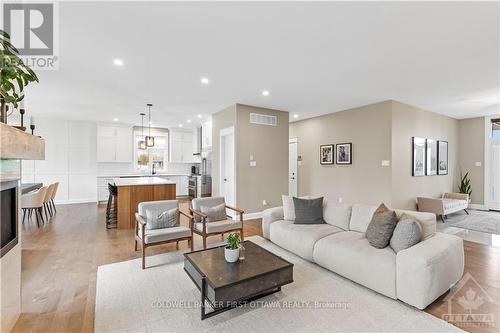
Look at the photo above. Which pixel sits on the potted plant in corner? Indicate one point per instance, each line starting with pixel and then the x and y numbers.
pixel 232 250
pixel 465 186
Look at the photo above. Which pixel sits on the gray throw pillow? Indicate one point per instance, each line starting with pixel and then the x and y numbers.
pixel 381 227
pixel 160 219
pixel 407 233
pixel 308 211
pixel 215 213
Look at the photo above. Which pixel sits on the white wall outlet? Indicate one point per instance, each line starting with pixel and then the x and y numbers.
pixel 386 163
pixel 253 163
pixel 478 164
pixel 264 203
pixel 251 157
pixel 341 199
pixel 299 163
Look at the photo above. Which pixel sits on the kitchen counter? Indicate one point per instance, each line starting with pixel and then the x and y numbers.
pixel 133 191
pixel 137 181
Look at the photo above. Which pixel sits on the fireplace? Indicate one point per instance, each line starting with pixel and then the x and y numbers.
pixel 8 215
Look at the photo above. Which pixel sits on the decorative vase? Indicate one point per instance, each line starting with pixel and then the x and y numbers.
pixel 231 255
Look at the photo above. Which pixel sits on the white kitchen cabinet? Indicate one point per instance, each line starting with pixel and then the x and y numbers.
pixel 114 144
pixel 181 146
pixel 102 188
pixel 181 184
pixel 184 186
pixel 206 134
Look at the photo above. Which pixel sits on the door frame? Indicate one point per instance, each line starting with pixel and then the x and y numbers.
pixel 488 204
pixel 222 133
pixel 296 141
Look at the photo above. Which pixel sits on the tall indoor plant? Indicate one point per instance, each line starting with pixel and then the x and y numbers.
pixel 465 186
pixel 14 75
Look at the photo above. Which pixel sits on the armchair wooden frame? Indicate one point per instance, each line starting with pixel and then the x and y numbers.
pixel 140 220
pixel 204 234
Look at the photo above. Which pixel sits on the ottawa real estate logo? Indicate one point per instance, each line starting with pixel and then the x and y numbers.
pixel 469 305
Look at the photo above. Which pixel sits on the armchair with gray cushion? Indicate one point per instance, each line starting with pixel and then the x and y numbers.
pixel 447 204
pixel 150 237
pixel 205 228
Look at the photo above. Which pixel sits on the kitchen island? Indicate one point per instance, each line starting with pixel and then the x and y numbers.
pixel 132 191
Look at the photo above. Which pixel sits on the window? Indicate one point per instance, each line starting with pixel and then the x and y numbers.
pixel 495 128
pixel 157 155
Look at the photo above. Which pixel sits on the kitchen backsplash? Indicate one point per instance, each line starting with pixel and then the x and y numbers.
pixel 128 168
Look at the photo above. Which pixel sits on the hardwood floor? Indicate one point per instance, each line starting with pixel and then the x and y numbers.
pixel 60 260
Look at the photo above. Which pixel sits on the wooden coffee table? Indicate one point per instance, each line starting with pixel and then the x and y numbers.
pixel 226 285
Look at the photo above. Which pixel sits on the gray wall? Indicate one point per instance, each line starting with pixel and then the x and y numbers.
pixel 471 143
pixel 381 131
pixel 269 147
pixel 408 121
pixel 365 181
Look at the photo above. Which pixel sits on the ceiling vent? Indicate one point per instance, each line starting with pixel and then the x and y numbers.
pixel 263 119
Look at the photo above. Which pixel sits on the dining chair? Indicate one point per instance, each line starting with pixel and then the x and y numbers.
pixel 46 200
pixel 54 192
pixel 33 202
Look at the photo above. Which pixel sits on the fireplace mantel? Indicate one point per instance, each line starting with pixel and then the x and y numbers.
pixel 18 145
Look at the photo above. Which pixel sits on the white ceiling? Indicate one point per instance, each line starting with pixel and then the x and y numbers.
pixel 314 58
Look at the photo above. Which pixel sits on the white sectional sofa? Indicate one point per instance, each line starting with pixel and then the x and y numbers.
pixel 416 276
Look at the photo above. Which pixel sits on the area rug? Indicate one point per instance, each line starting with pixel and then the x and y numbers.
pixel 482 221
pixel 162 298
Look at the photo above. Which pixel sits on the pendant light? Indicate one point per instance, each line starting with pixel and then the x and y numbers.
pixel 142 143
pixel 150 140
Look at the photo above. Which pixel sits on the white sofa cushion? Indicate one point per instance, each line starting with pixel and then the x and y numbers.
pixel 337 215
pixel 218 226
pixel 160 235
pixel 299 238
pixel 361 216
pixel 451 204
pixel 349 254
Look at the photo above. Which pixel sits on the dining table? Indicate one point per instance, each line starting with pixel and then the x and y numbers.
pixel 28 187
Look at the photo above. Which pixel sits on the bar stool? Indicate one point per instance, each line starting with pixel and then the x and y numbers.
pixel 111 211
pixel 33 202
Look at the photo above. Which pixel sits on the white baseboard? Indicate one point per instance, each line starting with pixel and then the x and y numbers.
pixel 252 216
pixel 75 201
pixel 477 206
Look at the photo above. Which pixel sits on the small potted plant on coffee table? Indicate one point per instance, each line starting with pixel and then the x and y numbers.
pixel 232 250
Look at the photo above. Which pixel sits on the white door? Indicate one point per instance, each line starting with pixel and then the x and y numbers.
pixel 495 174
pixel 292 168
pixel 227 181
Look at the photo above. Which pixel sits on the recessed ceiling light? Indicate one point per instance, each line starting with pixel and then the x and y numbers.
pixel 265 93
pixel 118 62
pixel 189 121
pixel 115 119
pixel 204 80
pixel 180 125
pixel 295 116
pixel 200 116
